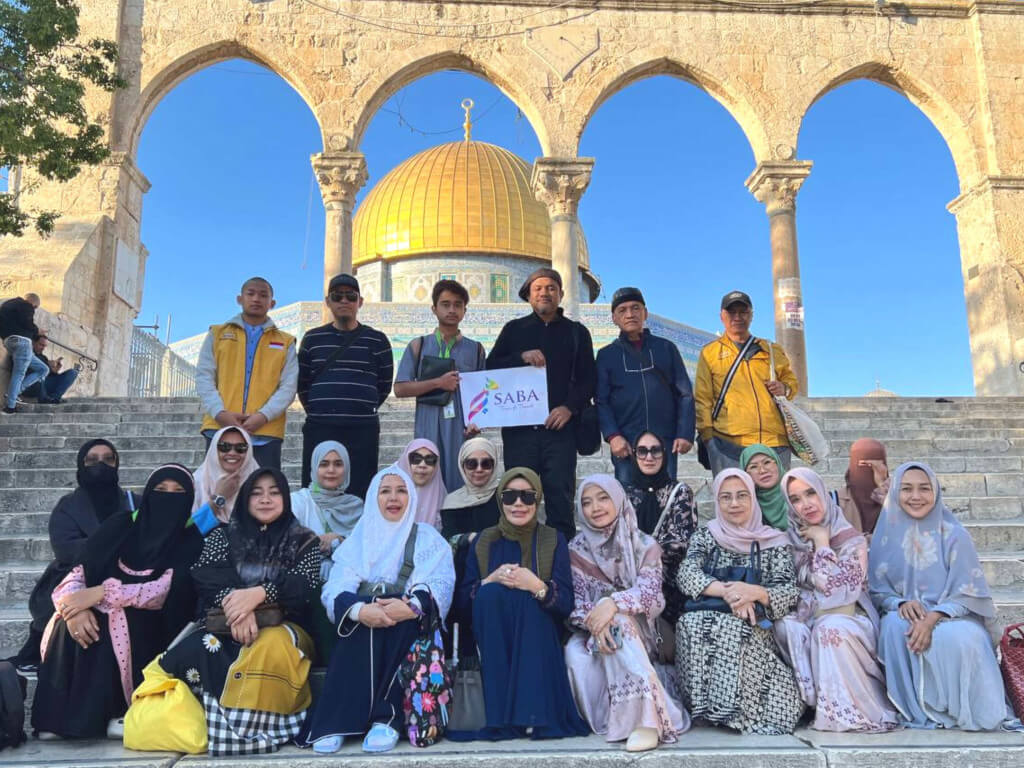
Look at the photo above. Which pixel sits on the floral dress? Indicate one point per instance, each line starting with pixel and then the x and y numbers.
pixel 731 673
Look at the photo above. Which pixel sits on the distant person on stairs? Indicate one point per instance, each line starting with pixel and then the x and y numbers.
pixel 867 485
pixel 247 374
pixel 75 518
pixel 345 374
pixel 50 390
pixel 17 329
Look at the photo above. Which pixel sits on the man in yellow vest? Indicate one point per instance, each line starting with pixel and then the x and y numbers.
pixel 247 374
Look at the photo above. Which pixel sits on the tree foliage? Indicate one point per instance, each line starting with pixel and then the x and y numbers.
pixel 44 72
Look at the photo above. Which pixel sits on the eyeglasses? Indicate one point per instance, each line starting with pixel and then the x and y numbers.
pixel 473 464
pixel 655 452
pixel 236 447
pixel 508 498
pixel 419 458
pixel 338 296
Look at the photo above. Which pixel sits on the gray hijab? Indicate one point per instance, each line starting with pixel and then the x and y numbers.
pixel 932 559
pixel 341 510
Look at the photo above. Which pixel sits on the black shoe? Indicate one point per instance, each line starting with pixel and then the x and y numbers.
pixel 10 410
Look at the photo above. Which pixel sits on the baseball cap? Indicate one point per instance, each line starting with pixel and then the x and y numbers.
pixel 343 281
pixel 734 297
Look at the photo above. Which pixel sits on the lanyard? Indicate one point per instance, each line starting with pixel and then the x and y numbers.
pixel 445 352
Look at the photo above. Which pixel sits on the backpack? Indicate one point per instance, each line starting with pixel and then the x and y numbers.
pixel 13 688
pixel 427 681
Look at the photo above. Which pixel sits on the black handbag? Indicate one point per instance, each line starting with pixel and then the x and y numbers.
pixel 748 574
pixel 587 430
pixel 428 367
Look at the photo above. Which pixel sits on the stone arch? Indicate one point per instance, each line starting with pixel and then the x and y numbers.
pixel 599 90
pixel 923 96
pixel 185 60
pixel 415 66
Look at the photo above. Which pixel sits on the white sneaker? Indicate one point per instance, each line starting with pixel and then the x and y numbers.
pixel 115 728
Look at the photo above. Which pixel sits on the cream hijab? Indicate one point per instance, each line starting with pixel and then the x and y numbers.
pixel 210 473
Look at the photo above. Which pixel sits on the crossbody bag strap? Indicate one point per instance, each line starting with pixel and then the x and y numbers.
pixel 408 561
pixel 771 360
pixel 728 379
pixel 338 352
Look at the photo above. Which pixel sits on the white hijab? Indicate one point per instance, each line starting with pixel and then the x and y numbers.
pixel 375 551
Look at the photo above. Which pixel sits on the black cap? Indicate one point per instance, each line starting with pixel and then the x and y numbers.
pixel 736 297
pixel 343 281
pixel 524 291
pixel 627 293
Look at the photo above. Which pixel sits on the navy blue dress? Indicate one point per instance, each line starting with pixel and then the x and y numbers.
pixel 522 661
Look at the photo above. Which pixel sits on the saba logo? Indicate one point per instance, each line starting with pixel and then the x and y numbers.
pixel 479 403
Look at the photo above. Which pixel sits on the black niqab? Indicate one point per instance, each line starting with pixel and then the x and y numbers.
pixel 100 481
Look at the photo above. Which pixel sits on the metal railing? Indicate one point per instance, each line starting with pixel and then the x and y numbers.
pixel 157 371
pixel 84 361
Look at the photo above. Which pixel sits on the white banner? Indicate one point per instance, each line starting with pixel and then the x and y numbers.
pixel 506 397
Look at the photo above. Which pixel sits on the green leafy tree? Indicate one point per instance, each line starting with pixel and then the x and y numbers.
pixel 44 72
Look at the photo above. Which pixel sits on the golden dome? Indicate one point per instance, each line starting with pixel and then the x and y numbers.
pixel 462 197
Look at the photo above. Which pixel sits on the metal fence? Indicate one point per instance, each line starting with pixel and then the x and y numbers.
pixel 157 371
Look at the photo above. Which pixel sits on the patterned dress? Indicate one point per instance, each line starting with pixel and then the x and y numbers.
pixel 625 690
pixel 678 524
pixel 730 672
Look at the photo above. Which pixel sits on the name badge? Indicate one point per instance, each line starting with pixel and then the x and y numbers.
pixel 449 410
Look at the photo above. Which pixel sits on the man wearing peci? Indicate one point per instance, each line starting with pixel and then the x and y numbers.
pixel 642 386
pixel 547 339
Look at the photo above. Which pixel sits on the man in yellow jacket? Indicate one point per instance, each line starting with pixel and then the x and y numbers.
pixel 748 414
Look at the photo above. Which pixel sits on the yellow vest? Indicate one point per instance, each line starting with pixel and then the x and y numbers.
pixel 229 355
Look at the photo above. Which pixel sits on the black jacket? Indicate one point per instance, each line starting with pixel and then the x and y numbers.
pixel 556 340
pixel 17 318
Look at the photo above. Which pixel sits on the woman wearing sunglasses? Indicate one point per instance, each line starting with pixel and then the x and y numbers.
pixel 229 462
pixel 518 589
pixel 420 460
pixel 665 510
pixel 474 506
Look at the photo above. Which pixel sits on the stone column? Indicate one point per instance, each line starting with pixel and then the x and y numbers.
pixel 341 176
pixel 775 183
pixel 559 183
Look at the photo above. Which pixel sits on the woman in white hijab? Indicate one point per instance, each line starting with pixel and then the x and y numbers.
pixel 387 575
pixel 229 462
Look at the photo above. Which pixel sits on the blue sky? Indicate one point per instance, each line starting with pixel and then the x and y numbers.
pixel 233 194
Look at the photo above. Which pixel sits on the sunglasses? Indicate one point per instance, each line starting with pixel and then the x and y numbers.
pixel 508 498
pixel 419 458
pixel 236 447
pixel 338 296
pixel 473 464
pixel 656 452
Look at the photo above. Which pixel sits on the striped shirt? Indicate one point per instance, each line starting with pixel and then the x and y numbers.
pixel 355 384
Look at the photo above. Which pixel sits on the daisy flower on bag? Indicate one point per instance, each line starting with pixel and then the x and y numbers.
pixel 211 642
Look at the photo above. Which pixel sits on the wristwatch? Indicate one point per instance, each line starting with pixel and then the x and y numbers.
pixel 220 502
pixel 541 593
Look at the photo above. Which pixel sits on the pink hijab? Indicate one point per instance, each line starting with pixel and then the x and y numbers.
pixel 738 538
pixel 428 510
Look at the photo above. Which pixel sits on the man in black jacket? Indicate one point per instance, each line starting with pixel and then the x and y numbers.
pixel 17 329
pixel 547 339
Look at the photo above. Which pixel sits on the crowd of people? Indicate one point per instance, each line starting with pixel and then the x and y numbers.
pixel 594 606
pixel 33 373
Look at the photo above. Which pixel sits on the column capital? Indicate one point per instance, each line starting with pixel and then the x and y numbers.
pixel 776 182
pixel 340 174
pixel 559 182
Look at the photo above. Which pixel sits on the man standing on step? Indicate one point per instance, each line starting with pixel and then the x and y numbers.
pixel 17 329
pixel 438 405
pixel 734 390
pixel 547 339
pixel 642 386
pixel 247 374
pixel 345 374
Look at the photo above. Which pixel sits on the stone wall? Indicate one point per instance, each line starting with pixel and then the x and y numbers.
pixel 959 61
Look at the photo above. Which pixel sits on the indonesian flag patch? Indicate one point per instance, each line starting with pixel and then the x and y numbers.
pixel 275 345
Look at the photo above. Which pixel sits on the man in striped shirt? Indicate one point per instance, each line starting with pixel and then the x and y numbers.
pixel 345 374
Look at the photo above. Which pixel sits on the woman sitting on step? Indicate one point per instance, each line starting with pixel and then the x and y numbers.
pixel 388 576
pixel 75 518
pixel 128 597
pixel 421 461
pixel 248 661
pixel 229 461
pixel 935 642
pixel 763 465
pixel 616 576
pixel 831 640
pixel 518 589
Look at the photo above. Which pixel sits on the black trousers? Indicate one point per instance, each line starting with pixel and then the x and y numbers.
pixel 552 455
pixel 362 442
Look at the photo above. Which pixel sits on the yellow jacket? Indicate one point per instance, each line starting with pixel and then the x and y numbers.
pixel 749 414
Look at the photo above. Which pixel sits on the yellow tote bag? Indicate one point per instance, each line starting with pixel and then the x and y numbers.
pixel 164 715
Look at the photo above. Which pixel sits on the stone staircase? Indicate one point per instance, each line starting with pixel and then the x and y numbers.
pixel 975 445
